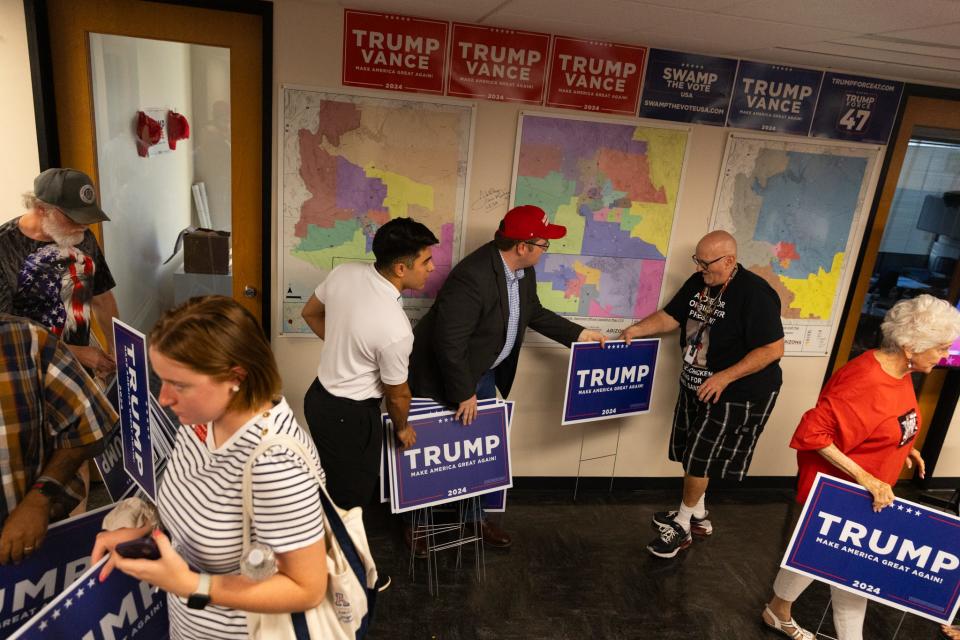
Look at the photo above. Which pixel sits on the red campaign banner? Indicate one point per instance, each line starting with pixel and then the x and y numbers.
pixel 497 64
pixel 387 51
pixel 595 76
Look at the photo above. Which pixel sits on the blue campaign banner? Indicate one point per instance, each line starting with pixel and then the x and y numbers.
pixel 119 607
pixel 118 483
pixel 494 502
pixel 774 97
pixel 685 87
pixel 856 108
pixel 163 435
pixel 425 406
pixel 26 587
pixel 384 463
pixel 110 461
pixel 609 382
pixel 134 393
pixel 907 556
pixel 449 461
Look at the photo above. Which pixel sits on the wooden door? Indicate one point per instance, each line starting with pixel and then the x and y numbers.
pixel 920 114
pixel 70 24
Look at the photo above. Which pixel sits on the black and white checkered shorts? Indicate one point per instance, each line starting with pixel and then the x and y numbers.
pixel 717 440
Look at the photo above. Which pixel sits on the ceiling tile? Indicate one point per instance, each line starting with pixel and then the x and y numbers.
pixel 851 52
pixel 945 34
pixel 571 29
pixel 458 10
pixel 698 5
pixel 619 16
pixel 889 44
pixel 866 16
pixel 890 70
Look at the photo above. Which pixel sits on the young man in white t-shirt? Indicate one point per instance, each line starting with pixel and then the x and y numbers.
pixel 358 312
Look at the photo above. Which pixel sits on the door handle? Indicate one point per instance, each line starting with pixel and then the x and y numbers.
pixel 250 292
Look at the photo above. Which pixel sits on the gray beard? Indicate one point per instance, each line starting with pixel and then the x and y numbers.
pixel 61 237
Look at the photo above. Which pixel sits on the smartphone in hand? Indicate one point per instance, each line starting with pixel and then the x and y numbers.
pixel 143 548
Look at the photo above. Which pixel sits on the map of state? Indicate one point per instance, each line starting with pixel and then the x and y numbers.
pixel 350 164
pixel 796 210
pixel 614 187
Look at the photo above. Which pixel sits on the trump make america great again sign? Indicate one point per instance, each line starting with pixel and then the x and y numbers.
pixel 449 461
pixel 906 556
pixel 611 381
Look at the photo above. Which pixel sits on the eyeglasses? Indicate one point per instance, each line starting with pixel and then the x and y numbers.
pixel 544 246
pixel 703 264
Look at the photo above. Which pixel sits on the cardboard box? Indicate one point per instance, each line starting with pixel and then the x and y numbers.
pixel 206 251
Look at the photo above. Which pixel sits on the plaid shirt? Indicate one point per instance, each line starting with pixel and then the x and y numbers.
pixel 47 402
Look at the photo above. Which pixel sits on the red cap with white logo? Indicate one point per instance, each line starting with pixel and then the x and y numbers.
pixel 527 221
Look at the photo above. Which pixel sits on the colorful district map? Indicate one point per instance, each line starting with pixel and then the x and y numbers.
pixel 351 163
pixel 797 210
pixel 614 186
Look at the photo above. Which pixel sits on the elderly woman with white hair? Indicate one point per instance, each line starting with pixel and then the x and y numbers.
pixel 862 429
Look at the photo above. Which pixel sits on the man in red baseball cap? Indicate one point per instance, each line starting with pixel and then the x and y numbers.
pixel 528 222
pixel 52 270
pixel 468 344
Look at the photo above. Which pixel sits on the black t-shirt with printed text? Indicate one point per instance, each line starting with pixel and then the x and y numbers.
pixel 50 284
pixel 747 316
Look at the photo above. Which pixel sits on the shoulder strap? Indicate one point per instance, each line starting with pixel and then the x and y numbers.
pixel 247 489
pixel 332 521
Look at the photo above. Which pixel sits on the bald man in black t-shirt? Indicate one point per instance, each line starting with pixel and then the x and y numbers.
pixel 731 341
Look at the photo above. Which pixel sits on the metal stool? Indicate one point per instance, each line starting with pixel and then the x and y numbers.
pixel 437 538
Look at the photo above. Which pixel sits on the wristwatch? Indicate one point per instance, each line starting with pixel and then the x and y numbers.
pixel 201 597
pixel 49 487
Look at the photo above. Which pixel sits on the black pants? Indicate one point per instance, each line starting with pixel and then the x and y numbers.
pixel 348 437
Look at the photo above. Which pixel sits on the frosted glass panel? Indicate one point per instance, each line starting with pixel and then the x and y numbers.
pixel 147 187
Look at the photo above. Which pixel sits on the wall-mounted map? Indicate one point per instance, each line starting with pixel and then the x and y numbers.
pixel 614 186
pixel 797 210
pixel 350 163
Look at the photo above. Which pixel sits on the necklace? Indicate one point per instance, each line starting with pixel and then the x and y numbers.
pixel 706 312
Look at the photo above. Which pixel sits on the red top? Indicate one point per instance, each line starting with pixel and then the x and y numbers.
pixel 869 415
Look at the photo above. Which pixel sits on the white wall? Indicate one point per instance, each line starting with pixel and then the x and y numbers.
pixel 19 162
pixel 308 51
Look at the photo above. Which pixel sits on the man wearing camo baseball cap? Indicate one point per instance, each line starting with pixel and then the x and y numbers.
pixel 52 270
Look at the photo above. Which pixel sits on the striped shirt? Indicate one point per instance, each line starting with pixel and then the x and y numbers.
pixel 201 505
pixel 513 300
pixel 47 402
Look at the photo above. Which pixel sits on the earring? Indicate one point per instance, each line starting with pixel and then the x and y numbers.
pixel 909 363
pixel 235 388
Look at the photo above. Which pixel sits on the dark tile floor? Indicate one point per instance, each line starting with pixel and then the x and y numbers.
pixel 578 571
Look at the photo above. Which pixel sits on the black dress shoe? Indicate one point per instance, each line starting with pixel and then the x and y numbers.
pixel 494 535
pixel 419 544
